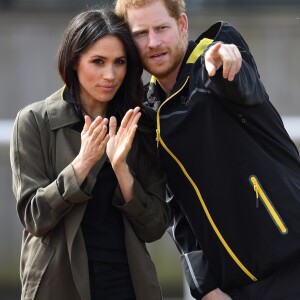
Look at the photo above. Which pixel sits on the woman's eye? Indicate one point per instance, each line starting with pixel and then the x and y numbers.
pixel 98 61
pixel 120 61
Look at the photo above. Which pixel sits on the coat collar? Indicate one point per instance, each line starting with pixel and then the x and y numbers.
pixel 60 113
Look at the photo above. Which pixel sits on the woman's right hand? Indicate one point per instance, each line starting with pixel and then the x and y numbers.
pixel 94 138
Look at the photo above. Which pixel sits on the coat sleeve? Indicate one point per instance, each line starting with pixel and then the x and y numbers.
pixel 148 212
pixel 42 201
pixel 198 275
pixel 247 87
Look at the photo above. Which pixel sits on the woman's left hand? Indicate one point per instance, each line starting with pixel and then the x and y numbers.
pixel 120 141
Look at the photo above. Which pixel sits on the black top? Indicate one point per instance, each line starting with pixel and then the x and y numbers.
pixel 102 223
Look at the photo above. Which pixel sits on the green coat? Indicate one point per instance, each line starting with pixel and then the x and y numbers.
pixel 50 205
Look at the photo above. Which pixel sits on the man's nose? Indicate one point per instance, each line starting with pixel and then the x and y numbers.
pixel 154 40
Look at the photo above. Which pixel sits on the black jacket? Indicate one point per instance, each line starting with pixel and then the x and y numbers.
pixel 233 169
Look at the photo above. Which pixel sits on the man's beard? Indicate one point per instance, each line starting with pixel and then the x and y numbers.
pixel 164 69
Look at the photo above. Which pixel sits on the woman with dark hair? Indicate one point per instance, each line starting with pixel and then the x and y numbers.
pixel 90 191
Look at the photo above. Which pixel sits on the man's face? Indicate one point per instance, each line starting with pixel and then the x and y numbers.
pixel 161 39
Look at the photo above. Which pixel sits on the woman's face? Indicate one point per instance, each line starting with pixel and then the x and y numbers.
pixel 101 70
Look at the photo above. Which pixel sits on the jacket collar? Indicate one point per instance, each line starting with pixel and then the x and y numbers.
pixel 194 50
pixel 60 113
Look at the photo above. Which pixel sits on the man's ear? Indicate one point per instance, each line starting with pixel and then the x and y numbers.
pixel 183 23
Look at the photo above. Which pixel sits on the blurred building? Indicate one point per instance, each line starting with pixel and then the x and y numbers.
pixel 30 33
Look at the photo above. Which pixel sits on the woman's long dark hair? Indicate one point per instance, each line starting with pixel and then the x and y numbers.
pixel 83 31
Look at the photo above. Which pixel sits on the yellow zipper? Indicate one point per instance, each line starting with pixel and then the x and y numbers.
pixel 158 138
pixel 211 221
pixel 268 204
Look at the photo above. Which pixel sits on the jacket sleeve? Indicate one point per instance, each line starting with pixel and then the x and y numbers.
pixel 42 200
pixel 247 87
pixel 148 211
pixel 198 275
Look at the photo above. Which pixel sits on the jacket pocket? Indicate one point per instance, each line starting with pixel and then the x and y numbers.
pixel 35 271
pixel 263 197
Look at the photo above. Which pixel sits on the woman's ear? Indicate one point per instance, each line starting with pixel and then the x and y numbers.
pixel 75 67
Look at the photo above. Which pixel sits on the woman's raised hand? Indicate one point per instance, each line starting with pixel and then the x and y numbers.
pixel 94 139
pixel 120 140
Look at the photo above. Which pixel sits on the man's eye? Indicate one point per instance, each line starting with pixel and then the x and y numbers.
pixel 140 34
pixel 161 28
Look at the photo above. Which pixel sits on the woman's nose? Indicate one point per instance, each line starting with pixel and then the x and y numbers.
pixel 109 73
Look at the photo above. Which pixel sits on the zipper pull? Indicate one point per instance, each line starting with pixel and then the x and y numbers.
pixel 157 137
pixel 256 187
pixel 256 190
